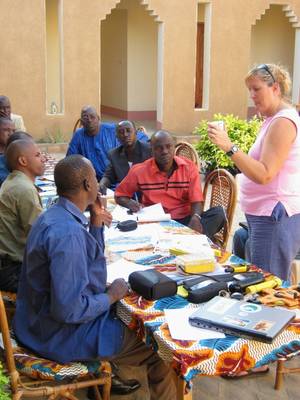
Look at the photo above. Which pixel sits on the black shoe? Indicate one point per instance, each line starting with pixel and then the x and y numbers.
pixel 122 387
pixel 118 386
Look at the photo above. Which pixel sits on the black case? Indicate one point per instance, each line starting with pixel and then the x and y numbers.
pixel 152 284
pixel 226 282
pixel 128 225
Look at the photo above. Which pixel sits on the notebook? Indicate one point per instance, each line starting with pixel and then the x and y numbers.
pixel 240 318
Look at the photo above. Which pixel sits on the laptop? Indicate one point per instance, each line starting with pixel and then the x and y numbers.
pixel 240 318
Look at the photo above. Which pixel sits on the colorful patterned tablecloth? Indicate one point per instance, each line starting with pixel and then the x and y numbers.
pixel 205 357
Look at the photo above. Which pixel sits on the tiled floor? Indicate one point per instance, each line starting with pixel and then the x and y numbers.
pixel 212 388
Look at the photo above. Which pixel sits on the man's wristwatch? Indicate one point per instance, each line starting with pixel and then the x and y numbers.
pixel 198 216
pixel 232 151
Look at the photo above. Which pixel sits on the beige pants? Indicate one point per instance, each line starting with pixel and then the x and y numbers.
pixel 160 376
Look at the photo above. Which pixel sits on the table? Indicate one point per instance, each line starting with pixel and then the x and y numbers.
pixel 211 357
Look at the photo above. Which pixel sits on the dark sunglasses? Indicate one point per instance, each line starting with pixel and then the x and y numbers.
pixel 266 68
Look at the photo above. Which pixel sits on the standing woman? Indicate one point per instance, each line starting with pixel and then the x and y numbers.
pixel 270 182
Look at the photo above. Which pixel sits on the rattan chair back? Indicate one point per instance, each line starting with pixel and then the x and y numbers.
pixel 184 149
pixel 77 125
pixel 220 185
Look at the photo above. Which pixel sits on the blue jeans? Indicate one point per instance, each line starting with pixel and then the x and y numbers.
pixel 274 240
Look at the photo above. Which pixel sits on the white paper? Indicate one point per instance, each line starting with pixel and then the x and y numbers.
pixel 219 270
pixel 181 329
pixel 154 213
pixel 191 244
pixel 47 188
pixel 146 235
pixel 110 194
pixel 122 269
pixel 120 214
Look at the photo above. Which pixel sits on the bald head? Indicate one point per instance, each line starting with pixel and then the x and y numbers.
pixel 163 148
pixel 5 107
pixel 19 135
pixel 16 150
pixel 161 135
pixel 90 120
pixel 70 174
pixel 126 133
pixel 25 156
pixel 88 109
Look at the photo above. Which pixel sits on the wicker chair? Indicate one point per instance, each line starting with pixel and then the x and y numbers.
pixel 47 378
pixel 281 369
pixel 183 149
pixel 221 187
pixel 77 125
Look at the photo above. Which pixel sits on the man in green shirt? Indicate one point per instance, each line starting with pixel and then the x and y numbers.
pixel 20 205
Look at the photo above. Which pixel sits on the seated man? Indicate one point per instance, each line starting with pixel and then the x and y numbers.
pixel 4 172
pixel 172 181
pixel 131 151
pixel 19 206
pixel 95 140
pixel 7 127
pixel 64 307
pixel 5 111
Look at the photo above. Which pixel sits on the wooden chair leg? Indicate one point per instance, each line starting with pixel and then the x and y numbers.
pixel 97 393
pixel 279 374
pixel 181 390
pixel 106 391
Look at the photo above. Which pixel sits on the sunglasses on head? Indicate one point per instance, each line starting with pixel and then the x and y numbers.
pixel 266 68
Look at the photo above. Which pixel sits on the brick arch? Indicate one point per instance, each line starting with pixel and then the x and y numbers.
pixel 143 3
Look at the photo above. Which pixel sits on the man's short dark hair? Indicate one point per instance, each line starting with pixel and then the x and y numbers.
pixel 4 99
pixel 18 135
pixel 70 173
pixel 126 122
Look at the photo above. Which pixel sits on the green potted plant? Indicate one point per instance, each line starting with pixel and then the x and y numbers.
pixel 4 381
pixel 240 131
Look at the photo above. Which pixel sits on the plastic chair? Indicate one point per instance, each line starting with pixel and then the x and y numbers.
pixel 221 187
pixel 184 149
pixel 48 378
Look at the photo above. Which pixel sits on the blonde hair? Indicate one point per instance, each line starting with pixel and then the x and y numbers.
pixel 271 73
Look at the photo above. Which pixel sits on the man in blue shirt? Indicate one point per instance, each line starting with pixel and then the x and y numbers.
pixel 95 139
pixel 64 308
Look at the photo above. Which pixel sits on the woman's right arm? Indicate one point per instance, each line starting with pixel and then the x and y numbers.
pixel 275 149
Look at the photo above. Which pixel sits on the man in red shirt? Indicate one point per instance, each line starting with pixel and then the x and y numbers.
pixel 172 181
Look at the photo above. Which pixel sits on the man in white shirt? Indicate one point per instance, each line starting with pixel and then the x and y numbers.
pixel 5 111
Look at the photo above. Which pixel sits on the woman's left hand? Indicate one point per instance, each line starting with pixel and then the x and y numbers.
pixel 219 137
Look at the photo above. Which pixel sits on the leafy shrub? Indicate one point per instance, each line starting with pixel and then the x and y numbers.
pixel 4 381
pixel 241 132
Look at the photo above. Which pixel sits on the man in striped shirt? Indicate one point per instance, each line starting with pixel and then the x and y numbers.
pixel 172 181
